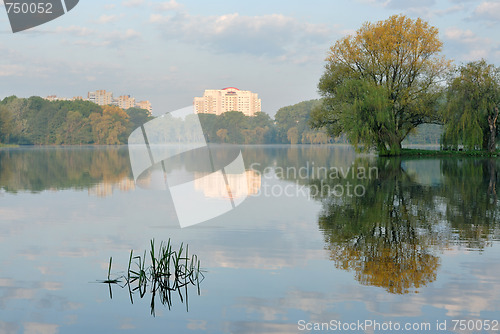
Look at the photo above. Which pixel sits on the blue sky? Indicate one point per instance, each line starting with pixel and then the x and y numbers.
pixel 170 51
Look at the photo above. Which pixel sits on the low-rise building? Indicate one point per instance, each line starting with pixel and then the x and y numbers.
pixel 146 105
pixel 104 98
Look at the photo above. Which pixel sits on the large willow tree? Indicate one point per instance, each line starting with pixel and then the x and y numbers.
pixel 472 110
pixel 381 83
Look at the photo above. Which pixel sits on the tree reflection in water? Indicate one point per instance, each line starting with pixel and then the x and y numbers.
pixel 391 236
pixel 35 169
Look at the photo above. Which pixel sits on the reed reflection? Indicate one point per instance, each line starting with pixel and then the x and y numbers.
pixel 168 272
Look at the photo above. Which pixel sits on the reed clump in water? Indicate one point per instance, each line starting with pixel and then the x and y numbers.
pixel 167 272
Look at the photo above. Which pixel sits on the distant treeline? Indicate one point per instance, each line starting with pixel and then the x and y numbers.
pixel 290 126
pixel 36 121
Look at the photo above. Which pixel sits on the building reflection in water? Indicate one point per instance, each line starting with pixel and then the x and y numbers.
pixel 105 188
pixel 210 185
pixel 238 185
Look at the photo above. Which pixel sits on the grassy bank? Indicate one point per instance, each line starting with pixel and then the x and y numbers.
pixel 8 145
pixel 408 152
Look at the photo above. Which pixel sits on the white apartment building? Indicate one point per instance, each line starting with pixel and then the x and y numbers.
pixel 56 98
pixel 101 97
pixel 219 101
pixel 125 102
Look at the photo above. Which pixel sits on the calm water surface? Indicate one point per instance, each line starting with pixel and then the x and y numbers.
pixel 418 243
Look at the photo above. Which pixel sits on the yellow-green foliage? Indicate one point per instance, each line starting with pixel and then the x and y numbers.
pixel 382 82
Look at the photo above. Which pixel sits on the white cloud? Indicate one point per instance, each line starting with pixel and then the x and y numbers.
pixel 457 34
pixel 428 12
pixel 6 282
pixel 477 54
pixel 90 44
pixel 51 286
pixel 108 18
pixel 132 3
pixel 381 3
pixel 421 8
pixel 40 328
pixel 130 34
pixel 450 10
pixel 197 325
pixel 168 5
pixel 11 70
pixel 127 324
pixel 8 327
pixel 406 4
pixel 157 18
pixel 75 30
pixel 488 10
pixel 115 38
pixel 265 35
pixel 467 45
pixel 400 4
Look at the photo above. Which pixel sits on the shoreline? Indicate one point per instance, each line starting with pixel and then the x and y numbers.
pixel 411 152
pixel 405 152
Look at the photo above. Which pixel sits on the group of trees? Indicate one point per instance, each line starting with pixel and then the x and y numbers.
pixel 471 113
pixel 388 78
pixel 380 84
pixel 36 121
pixel 290 125
pixel 40 122
pixel 236 128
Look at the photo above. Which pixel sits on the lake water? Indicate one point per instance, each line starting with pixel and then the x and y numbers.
pixel 397 242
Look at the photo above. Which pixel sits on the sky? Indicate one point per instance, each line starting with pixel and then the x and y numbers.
pixel 171 51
